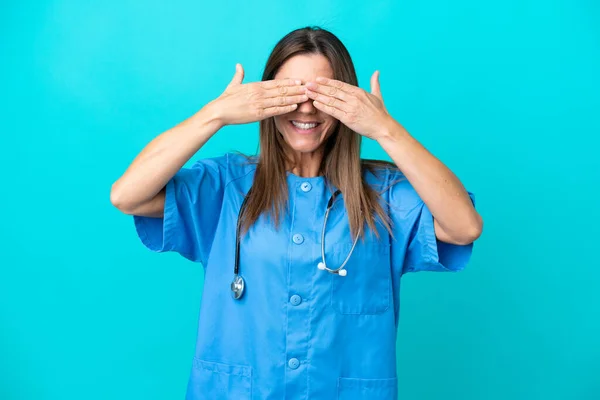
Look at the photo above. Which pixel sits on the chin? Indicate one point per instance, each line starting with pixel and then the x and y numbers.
pixel 304 147
pixel 304 143
pixel 307 140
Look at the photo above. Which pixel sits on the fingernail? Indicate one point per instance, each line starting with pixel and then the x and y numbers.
pixel 298 82
pixel 311 85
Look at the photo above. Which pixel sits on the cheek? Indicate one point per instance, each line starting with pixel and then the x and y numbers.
pixel 278 124
pixel 331 124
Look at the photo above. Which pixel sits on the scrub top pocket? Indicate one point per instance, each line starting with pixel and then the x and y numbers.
pixel 218 381
pixel 367 389
pixel 366 289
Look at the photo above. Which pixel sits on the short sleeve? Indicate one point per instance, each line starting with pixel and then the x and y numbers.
pixel 193 201
pixel 416 247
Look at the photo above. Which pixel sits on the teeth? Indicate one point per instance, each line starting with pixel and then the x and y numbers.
pixel 302 125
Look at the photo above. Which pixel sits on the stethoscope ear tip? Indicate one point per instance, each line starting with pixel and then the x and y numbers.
pixel 340 272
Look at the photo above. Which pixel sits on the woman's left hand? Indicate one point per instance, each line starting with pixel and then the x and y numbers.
pixel 359 110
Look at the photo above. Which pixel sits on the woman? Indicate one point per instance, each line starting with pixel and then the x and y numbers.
pixel 292 323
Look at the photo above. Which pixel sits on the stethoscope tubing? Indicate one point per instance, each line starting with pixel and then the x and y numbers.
pixel 238 284
pixel 323 264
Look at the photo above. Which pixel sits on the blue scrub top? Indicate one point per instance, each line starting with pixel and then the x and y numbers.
pixel 298 332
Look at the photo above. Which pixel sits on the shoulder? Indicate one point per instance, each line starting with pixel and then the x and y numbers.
pixel 381 174
pixel 230 166
pixel 240 163
pixel 387 179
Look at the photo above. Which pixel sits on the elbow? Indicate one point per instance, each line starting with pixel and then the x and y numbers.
pixel 468 234
pixel 472 233
pixel 463 235
pixel 116 198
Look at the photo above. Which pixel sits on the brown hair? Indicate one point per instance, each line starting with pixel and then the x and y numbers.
pixel 341 164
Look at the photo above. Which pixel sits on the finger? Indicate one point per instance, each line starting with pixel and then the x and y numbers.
pixel 280 110
pixel 284 101
pixel 275 83
pixel 375 88
pixel 284 91
pixel 332 91
pixel 239 75
pixel 334 112
pixel 343 86
pixel 331 101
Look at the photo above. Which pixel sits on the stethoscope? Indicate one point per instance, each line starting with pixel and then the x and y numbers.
pixel 238 284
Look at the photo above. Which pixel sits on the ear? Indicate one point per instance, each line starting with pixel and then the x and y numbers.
pixel 375 89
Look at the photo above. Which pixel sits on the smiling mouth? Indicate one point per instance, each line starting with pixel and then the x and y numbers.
pixel 305 127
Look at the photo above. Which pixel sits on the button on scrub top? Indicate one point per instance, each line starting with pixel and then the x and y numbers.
pixel 298 332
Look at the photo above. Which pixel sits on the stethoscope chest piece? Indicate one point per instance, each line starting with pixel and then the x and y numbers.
pixel 237 287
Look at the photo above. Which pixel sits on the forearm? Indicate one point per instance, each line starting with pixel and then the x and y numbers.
pixel 160 160
pixel 438 187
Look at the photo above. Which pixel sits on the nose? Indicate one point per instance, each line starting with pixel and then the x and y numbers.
pixel 307 107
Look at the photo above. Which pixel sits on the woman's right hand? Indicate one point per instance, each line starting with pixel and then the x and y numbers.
pixel 250 102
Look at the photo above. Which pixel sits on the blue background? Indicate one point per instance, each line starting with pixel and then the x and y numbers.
pixel 505 93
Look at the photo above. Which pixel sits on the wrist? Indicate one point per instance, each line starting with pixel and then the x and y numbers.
pixel 208 117
pixel 391 130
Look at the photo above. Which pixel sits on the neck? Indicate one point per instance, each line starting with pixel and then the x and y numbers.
pixel 305 165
